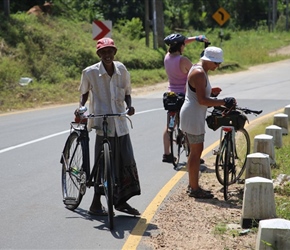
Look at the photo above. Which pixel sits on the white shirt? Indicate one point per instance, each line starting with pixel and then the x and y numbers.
pixel 107 96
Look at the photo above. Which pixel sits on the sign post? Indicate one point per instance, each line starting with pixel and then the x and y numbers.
pixel 101 29
pixel 221 16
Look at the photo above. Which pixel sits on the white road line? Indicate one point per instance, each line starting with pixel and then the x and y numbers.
pixel 33 141
pixel 57 134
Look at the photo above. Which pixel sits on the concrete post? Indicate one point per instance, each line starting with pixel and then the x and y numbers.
pixel 258 164
pixel 264 144
pixel 281 120
pixel 287 111
pixel 276 132
pixel 258 201
pixel 273 234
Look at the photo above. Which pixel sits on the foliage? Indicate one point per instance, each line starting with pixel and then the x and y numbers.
pixel 132 29
pixel 178 14
pixel 53 51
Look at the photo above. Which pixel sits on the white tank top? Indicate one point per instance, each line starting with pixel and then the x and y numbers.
pixel 192 114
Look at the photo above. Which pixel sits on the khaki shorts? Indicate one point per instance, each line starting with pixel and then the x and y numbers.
pixel 195 139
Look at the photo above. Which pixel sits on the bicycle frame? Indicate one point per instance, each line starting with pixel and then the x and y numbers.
pixel 178 141
pixel 94 175
pixel 224 130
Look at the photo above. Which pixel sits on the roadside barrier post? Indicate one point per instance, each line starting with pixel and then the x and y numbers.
pixel 276 132
pixel 281 120
pixel 258 164
pixel 258 201
pixel 264 144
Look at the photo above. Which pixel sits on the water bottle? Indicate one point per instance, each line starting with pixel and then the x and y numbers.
pixel 171 122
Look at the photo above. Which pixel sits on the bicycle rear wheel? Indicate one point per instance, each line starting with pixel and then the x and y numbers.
pixel 176 145
pixel 220 162
pixel 108 183
pixel 74 160
pixel 225 158
pixel 242 149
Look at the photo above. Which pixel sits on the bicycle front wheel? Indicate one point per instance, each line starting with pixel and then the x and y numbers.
pixel 74 158
pixel 108 183
pixel 176 145
pixel 242 149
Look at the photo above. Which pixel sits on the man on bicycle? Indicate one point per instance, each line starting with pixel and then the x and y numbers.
pixel 108 85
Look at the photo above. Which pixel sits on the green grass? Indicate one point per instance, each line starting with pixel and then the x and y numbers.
pixel 54 51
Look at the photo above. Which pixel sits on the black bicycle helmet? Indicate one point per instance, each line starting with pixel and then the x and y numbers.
pixel 174 39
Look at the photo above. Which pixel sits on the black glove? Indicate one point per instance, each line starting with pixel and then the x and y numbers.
pixel 230 102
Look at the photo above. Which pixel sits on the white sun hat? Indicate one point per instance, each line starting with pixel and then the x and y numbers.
pixel 213 54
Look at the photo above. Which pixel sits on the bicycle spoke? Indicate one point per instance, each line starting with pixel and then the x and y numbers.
pixel 220 161
pixel 242 142
pixel 108 183
pixel 175 141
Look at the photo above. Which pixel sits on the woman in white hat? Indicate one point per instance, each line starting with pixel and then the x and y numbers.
pixel 193 112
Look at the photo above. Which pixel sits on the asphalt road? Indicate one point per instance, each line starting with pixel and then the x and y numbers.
pixel 32 215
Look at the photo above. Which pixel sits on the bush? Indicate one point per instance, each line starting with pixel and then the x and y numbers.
pixel 131 29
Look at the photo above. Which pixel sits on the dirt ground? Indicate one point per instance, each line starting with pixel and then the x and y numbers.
pixel 184 223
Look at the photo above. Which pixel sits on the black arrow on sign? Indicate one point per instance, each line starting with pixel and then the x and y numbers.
pixel 222 15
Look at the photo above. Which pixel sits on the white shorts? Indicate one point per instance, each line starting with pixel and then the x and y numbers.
pixel 195 139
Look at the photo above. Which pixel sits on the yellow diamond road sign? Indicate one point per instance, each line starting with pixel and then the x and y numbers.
pixel 221 16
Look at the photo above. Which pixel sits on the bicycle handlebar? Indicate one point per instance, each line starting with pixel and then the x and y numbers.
pixel 206 44
pixel 107 115
pixel 249 111
pixel 104 116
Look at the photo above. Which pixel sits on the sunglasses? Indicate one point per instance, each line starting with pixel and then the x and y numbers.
pixel 217 63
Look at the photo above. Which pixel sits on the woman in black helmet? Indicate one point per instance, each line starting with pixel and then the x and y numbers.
pixel 177 67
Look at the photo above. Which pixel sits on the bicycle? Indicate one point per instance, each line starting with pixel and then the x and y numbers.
pixel 178 140
pixel 75 159
pixel 234 144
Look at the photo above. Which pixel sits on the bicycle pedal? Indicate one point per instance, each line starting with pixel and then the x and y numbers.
pixel 215 151
pixel 70 201
pixel 83 189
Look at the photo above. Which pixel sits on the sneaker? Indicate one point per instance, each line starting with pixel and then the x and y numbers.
pixel 200 194
pixel 168 158
pixel 189 189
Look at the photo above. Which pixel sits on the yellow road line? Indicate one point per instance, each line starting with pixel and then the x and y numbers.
pixel 137 233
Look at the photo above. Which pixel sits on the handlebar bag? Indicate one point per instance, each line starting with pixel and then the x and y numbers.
pixel 173 101
pixel 233 118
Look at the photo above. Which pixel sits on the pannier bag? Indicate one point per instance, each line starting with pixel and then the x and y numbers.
pixel 173 101
pixel 234 118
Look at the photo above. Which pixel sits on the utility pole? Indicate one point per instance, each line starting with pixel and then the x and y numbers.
pixel 287 15
pixel 160 23
pixel 155 34
pixel 274 16
pixel 7 8
pixel 269 16
pixel 147 22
